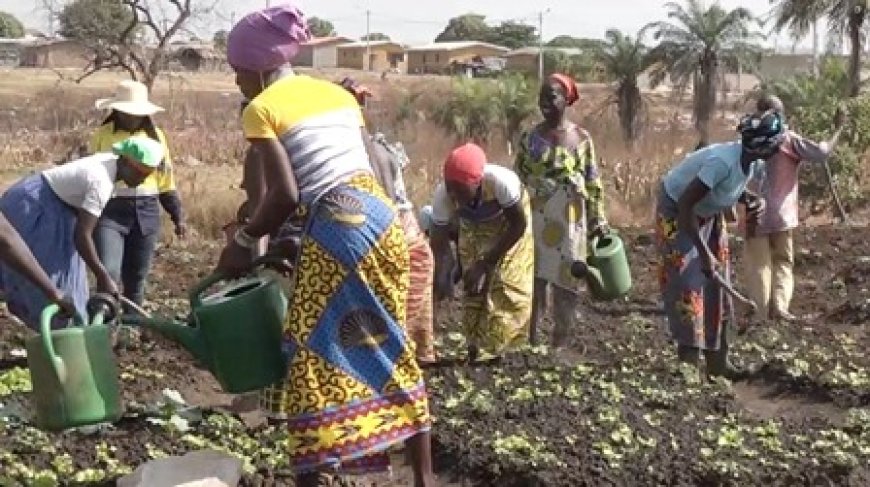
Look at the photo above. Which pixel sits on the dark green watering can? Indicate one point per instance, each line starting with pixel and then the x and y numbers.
pixel 606 269
pixel 235 332
pixel 74 373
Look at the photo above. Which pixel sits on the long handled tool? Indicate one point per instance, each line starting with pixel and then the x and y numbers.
pixel 839 121
pixel 720 281
pixel 734 295
pixel 839 203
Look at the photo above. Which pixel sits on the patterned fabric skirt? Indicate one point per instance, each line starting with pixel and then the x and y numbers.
pixel 47 225
pixel 499 319
pixel 559 221
pixel 419 307
pixel 694 305
pixel 353 386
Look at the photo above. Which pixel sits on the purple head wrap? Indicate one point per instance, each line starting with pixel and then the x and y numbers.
pixel 267 39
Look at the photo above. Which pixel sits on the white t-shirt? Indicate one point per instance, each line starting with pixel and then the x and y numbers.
pixel 85 183
pixel 499 184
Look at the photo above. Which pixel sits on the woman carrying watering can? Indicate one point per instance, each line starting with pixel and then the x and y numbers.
pixel 129 226
pixel 488 204
pixel 556 162
pixel 353 387
pixel 56 212
pixel 388 161
pixel 692 237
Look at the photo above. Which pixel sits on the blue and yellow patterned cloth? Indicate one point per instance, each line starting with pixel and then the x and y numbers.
pixel 353 388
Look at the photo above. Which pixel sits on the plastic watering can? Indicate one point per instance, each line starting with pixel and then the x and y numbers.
pixel 236 332
pixel 74 373
pixel 606 269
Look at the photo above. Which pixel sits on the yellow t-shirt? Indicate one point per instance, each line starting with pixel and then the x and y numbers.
pixel 319 125
pixel 158 182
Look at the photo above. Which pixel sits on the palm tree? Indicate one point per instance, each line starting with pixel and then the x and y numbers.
pixel 694 44
pixel 468 113
pixel 623 59
pixel 844 16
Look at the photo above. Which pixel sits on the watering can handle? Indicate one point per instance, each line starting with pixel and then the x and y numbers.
pixel 195 295
pixel 47 345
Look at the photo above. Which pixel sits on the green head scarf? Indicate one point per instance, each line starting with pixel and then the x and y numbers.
pixel 144 150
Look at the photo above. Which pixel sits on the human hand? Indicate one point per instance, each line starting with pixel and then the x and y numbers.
pixel 67 307
pixel 755 206
pixel 477 278
pixel 234 261
pixel 181 230
pixel 106 285
pixel 599 229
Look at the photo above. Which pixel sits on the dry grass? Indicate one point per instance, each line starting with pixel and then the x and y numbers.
pixel 43 116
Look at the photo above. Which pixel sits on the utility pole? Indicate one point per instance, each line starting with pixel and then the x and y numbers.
pixel 541 44
pixel 815 63
pixel 367 62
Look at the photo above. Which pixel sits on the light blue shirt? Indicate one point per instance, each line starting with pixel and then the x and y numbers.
pixel 718 167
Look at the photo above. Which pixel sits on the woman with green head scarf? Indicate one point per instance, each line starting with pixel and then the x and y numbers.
pixel 55 212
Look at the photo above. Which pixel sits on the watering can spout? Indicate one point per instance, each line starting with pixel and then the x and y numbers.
pixel 187 336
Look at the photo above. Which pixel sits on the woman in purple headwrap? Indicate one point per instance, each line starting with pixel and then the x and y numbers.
pixel 353 387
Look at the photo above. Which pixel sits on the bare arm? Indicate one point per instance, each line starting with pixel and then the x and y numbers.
pixel 517 223
pixel 84 240
pixel 380 165
pixel 281 197
pixel 255 183
pixel 444 260
pixel 687 221
pixel 15 254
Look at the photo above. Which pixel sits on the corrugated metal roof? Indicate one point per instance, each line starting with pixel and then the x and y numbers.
pixel 454 45
pixel 571 51
pixel 371 44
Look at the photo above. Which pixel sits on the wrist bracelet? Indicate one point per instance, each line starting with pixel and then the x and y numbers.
pixel 244 240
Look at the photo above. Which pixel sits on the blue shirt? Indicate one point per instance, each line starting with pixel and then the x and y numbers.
pixel 718 167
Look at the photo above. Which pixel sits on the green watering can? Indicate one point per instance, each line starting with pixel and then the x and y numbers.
pixel 236 333
pixel 606 269
pixel 74 373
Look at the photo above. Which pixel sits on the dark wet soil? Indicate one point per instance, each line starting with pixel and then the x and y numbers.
pixel 612 409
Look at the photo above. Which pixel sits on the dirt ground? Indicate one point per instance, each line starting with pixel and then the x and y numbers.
pixel 615 409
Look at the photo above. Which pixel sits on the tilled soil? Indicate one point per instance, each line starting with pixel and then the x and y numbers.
pixel 613 409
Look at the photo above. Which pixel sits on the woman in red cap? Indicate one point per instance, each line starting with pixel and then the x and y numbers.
pixel 491 209
pixel 556 162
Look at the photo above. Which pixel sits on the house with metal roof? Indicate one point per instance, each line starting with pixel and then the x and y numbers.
pixel 450 57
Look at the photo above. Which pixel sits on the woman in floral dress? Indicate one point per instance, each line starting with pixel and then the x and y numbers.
pixel 556 162
pixel 693 241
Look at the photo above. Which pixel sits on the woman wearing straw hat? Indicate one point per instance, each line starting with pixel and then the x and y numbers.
pixel 129 228
pixel 353 388
pixel 56 211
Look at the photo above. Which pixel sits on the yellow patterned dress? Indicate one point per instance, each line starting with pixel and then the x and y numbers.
pixel 498 320
pixel 353 386
pixel 566 194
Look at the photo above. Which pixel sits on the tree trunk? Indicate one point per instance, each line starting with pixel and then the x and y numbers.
pixel 856 21
pixel 705 98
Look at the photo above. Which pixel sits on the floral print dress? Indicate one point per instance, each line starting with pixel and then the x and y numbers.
pixel 566 194
pixel 694 304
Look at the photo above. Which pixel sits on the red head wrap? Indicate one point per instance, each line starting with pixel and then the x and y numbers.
pixel 572 93
pixel 465 165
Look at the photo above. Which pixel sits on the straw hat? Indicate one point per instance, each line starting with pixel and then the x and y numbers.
pixel 132 98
